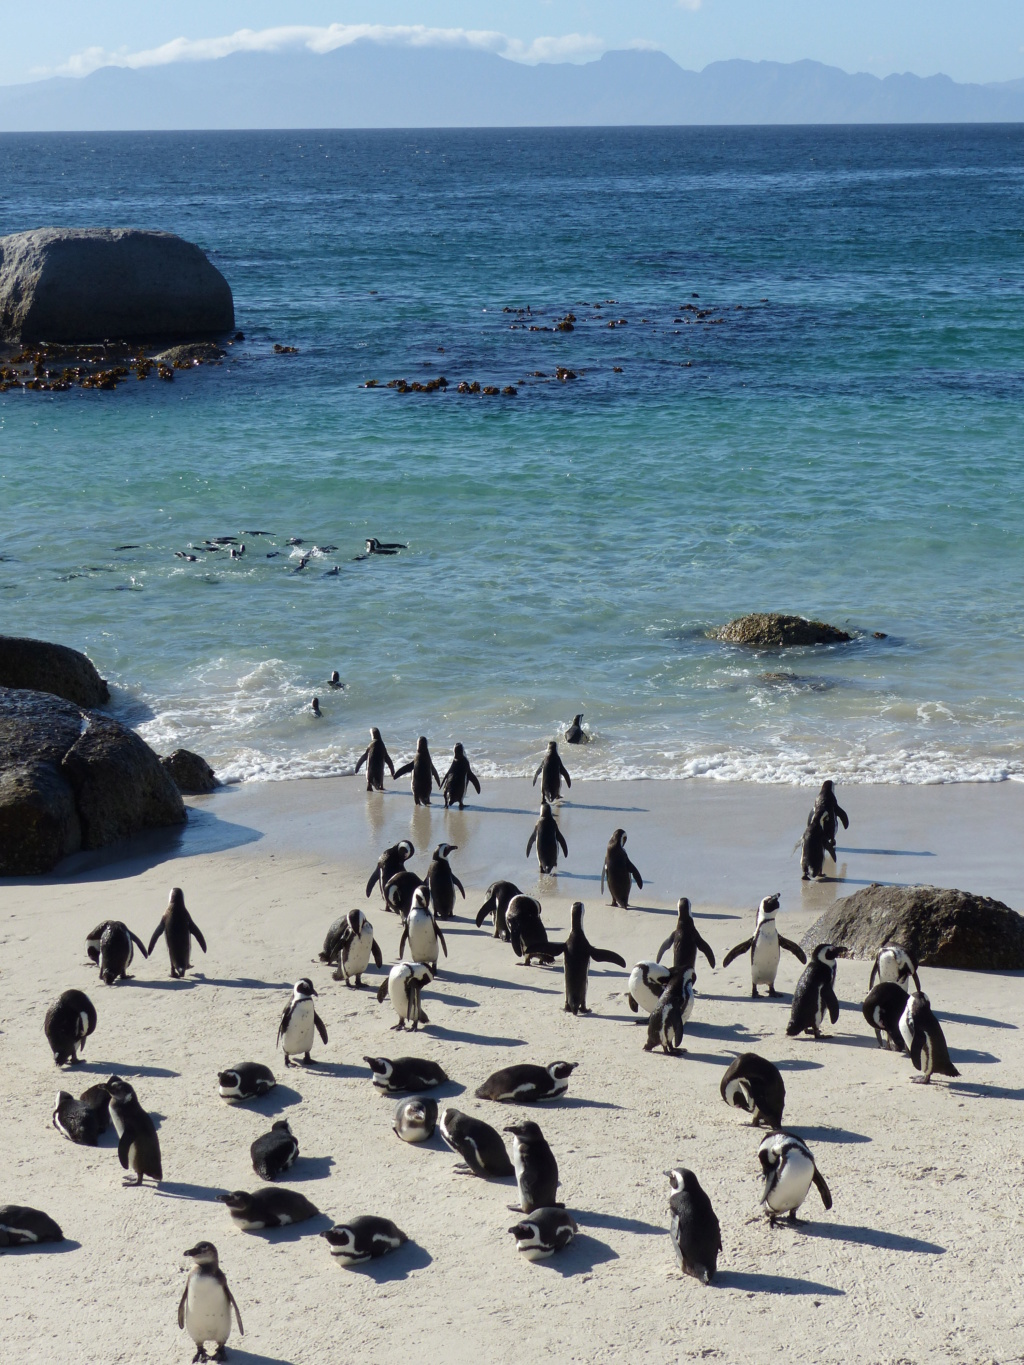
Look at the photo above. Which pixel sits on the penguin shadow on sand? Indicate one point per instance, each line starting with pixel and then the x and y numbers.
pixel 341 1071
pixel 496 983
pixel 799 1064
pixel 979 1090
pixel 580 1257
pixel 454 1035
pixel 243 1357
pixel 292 1232
pixel 568 804
pixel 749 1283
pixel 43 1248
pixel 823 1133
pixel 184 1189
pixel 124 1069
pixel 868 1237
pixel 397 1265
pixel 310 1168
pixel 274 1102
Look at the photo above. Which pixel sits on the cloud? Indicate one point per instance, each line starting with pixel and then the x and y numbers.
pixel 689 4
pixel 570 47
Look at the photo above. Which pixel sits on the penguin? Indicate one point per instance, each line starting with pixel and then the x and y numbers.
pixel 179 929
pixel 424 774
pixel 618 871
pixel 827 812
pixel 335 680
pixel 553 770
pixel 384 547
pixel 576 734
pixel 526 1083
pixel 69 1021
pixel 544 1232
pixel 480 1146
pixel 883 1009
pixel 647 980
pixel 295 1031
pixel 267 1207
pixel 668 1018
pixel 684 940
pixel 246 1081
pixel 390 862
pixel 205 1308
pixel 577 955
pixel 443 882
pixel 765 946
pixel 349 945
pixel 138 1146
pixel 925 1040
pixel 548 837
pixel 111 945
pixel 376 757
pixel 405 1073
pixel 21 1226
pixel 404 984
pixel 756 1085
pixel 421 932
pixel 275 1152
pixel 456 780
pixel 789 1170
pixel 499 894
pixel 535 1167
pixel 812 856
pixel 815 992
pixel 893 963
pixel 363 1239
pixel 416 1119
pixel 314 706
pixel 694 1228
pixel 526 931
pixel 83 1120
pixel 399 892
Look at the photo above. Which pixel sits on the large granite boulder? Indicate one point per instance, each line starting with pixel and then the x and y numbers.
pixel 774 630
pixel 43 667
pixel 937 927
pixel 192 775
pixel 71 780
pixel 93 284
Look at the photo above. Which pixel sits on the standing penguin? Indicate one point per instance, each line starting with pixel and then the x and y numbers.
pixel 578 953
pixel 618 871
pixel 400 890
pixel 812 855
pixel 349 945
pixel 883 1008
pixel 178 928
pixel 828 813
pixel 404 984
pixel 375 757
pixel 765 946
pixel 421 932
pixel 553 770
pixel 443 882
pixel 535 1167
pixel 756 1085
pixel 389 864
pixel 576 734
pixel 548 838
pixel 925 1040
pixel 669 1016
pixel 69 1021
pixel 457 779
pixel 112 946
pixel 815 992
pixel 893 963
pixel 499 894
pixel 137 1143
pixel 205 1308
pixel 295 1031
pixel 694 1227
pixel 684 940
pixel 480 1146
pixel 424 774
pixel 646 982
pixel 789 1170
pixel 526 931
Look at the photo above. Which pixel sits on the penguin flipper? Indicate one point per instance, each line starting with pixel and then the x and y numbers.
pixel 486 909
pixel 793 948
pixel 197 933
pixel 284 1021
pixel 138 941
pixel 433 774
pixel 665 947
pixel 459 885
pixel 181 1307
pixel 530 842
pixel 828 998
pixel 321 1027
pixel 822 1188
pixel 405 940
pixel 603 870
pixel 536 775
pixel 361 761
pixel 124 1145
pixel 632 1004
pixel 440 939
pixel 382 991
pixel 636 876
pixel 374 879
pixel 916 1048
pixel 517 943
pixel 405 768
pixel 561 840
pixel 734 953
pixel 606 955
pixel 874 973
pixel 375 950
pixel 917 979
pixel 154 940
pixel 843 817
pixel 238 1316
pixel 552 950
pixel 472 777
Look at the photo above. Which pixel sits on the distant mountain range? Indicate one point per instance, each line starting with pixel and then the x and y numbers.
pixel 370 85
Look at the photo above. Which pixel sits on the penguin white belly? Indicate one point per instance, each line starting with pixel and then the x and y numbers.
pixel 645 997
pixel 398 994
pixel 907 1028
pixel 764 956
pixel 207 1311
pixel 792 1183
pixel 298 1036
pixel 357 956
pixel 687 1009
pixel 423 945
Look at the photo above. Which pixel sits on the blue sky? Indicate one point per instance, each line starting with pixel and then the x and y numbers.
pixel 978 41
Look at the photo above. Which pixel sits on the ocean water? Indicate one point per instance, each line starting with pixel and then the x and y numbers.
pixel 814 405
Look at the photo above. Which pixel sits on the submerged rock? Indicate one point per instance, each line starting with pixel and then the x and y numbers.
pixel 191 353
pixel 192 775
pixel 775 630
pixel 44 667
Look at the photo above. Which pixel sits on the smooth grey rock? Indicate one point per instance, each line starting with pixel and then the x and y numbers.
pixel 192 775
pixel 774 630
pixel 191 353
pixel 44 667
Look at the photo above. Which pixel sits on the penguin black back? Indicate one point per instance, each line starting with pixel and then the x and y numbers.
pixel 179 929
pixel 684 940
pixel 577 954
pixel 694 1227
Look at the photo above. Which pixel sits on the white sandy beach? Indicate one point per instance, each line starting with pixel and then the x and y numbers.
pixel 918 1261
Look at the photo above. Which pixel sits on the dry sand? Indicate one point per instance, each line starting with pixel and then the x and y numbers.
pixel 918 1261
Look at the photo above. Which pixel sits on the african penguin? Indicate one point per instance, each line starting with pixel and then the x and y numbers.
pixel 480 1146
pixel 883 1009
pixel 456 780
pixel 693 1227
pixel 815 992
pixel 424 774
pixel 349 945
pixel 535 1167
pixel 893 963
pixel 576 734
pixel 111 945
pixel 246 1081
pixel 443 882
pixel 403 986
pixel 499 894
pixel 789 1171
pixel 552 770
pixel 765 948
pixel 82 1120
pixel 526 931
pixel 668 1018
pixel 526 1083
pixel 275 1152
pixel 421 932
pixel 21 1226
pixel 69 1021
pixel 405 1073
pixel 363 1239
pixel 138 1146
pixel 925 1040
pixel 399 891
pixel 416 1118
pixel 756 1085
pixel 178 928
pixel 685 940
pixel 548 838
pixel 267 1207
pixel 390 862
pixel 205 1308
pixel 577 955
pixel 544 1232
pixel 618 871
pixel 295 1031
pixel 375 757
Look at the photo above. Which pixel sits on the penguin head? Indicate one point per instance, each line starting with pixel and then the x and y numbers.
pixel 528 1237
pixel 119 1091
pixel 176 900
pixel 578 718
pixel 826 787
pixel 421 898
pixel 237 1200
pixel 576 911
pixel 683 907
pixel 560 1071
pixel 552 747
pixel 458 751
pixel 281 1126
pixel 405 850
pixel 688 978
pixel 681 1178
pixel 421 744
pixel 374 732
pixel 335 678
pixel 314 706
pixel 229 1080
pixel 768 907
pixel 371 545
pixel 422 973
pixel 443 850
pixel 342 1240
pixel 380 1066
pixel 203 1253
pixel 545 809
pixel 526 1131
pixel 303 989
pixel 827 953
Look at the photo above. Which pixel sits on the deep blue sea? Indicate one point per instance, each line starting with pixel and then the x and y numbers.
pixel 814 403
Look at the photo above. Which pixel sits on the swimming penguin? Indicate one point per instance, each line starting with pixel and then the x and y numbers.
pixel 349 945
pixel 295 1031
pixel 812 856
pixel 684 940
pixel 694 1228
pixel 815 992
pixel 577 955
pixel 535 1167
pixel 111 945
pixel 548 837
pixel 480 1146
pixel 390 862
pixel 789 1170
pixel 456 780
pixel 205 1308
pixel 405 982
pixel 138 1146
pixel 553 770
pixel 21 1226
pixel 275 1152
pixel 405 1073
pixel 314 706
pixel 827 812
pixel 267 1207
pixel 756 1085
pixel 416 1119
pixel 499 894
pixel 384 547
pixel 83 1120
pixel 246 1081
pixel 668 1018
pixel 421 932
pixel 647 980
pixel 526 1083
pixel 376 757
pixel 765 946
pixel 526 931
pixel 399 893
pixel 335 680
pixel 576 733
pixel 69 1021
pixel 178 928
pixel 925 1040
pixel 424 774
pixel 893 963
pixel 544 1232
pixel 443 882
pixel 883 1008
pixel 363 1239
pixel 618 871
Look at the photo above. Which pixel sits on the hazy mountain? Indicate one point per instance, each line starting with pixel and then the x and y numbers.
pixel 367 85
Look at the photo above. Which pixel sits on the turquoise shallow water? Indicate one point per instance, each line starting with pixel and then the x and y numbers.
pixel 839 435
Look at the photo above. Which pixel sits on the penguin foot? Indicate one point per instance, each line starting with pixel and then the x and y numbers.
pixel 397 1028
pixel 219 1353
pixel 754 993
pixel 920 1080
pixel 773 993
pixel 200 1354
pixel 307 1060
